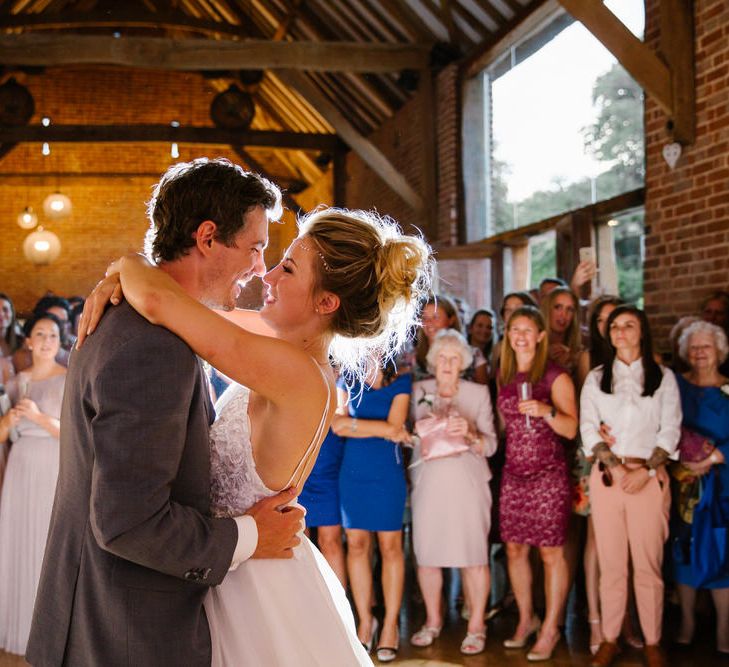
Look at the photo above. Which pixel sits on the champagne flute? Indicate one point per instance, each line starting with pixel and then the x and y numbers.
pixel 23 386
pixel 525 394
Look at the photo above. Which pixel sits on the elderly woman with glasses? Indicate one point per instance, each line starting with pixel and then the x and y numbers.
pixel 638 401
pixel 451 501
pixel 705 405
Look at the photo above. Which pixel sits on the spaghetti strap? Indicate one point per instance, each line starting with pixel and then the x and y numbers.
pixel 318 435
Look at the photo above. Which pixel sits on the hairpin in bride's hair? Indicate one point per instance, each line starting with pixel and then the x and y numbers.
pixel 303 244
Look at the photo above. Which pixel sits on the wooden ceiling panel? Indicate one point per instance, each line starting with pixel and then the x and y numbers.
pixel 357 101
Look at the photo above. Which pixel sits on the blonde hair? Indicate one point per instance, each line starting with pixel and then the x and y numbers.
pixel 572 337
pixel 380 276
pixel 508 356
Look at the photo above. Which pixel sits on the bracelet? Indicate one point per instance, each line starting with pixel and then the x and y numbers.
pixel 552 414
pixel 353 425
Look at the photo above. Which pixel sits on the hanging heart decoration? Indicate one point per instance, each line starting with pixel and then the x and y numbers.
pixel 671 153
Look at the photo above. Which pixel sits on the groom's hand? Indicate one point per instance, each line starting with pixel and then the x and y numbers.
pixel 278 525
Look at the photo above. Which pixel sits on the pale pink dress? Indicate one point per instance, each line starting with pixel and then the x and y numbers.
pixel 26 503
pixel 451 498
pixel 271 612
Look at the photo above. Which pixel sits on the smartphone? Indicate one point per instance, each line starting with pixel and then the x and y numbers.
pixel 587 254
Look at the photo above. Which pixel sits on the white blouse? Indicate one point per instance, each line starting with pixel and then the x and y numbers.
pixel 638 423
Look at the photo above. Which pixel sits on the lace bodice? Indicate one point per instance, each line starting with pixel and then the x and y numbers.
pixel 235 484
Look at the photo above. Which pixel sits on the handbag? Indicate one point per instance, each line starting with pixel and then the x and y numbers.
pixel 694 447
pixel 710 533
pixel 435 441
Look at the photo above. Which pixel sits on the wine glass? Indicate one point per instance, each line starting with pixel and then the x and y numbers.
pixel 525 394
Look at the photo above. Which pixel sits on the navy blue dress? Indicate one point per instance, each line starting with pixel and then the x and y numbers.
pixel 320 495
pixel 372 478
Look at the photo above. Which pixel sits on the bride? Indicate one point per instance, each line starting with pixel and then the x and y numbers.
pixel 347 289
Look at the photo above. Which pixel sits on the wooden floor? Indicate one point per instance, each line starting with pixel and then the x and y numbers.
pixel 572 650
pixel 445 651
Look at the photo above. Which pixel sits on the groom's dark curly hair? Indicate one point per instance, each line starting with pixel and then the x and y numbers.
pixel 191 192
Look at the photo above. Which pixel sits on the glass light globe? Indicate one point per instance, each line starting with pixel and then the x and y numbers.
pixel 41 247
pixel 57 206
pixel 28 218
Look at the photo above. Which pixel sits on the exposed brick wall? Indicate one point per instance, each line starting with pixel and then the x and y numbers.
pixel 107 183
pixel 687 209
pixel 400 139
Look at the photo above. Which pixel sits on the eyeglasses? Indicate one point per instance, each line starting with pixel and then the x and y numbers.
pixel 607 476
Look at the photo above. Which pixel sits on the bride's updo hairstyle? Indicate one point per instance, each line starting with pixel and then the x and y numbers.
pixel 380 275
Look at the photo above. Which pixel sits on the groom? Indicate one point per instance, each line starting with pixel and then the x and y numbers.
pixel 132 548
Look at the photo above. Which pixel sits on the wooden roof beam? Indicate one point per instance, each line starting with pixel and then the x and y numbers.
pixel 369 153
pixel 670 85
pixel 119 17
pixel 199 55
pixel 167 133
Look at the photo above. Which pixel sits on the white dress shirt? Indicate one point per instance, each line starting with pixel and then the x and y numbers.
pixel 638 423
pixel 247 540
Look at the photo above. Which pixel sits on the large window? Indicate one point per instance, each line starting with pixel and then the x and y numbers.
pixel 560 127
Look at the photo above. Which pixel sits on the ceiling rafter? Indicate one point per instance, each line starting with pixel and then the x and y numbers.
pixel 407 18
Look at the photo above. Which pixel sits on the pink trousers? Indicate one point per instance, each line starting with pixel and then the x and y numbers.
pixel 634 525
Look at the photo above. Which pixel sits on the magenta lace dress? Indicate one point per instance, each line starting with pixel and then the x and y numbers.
pixel 536 494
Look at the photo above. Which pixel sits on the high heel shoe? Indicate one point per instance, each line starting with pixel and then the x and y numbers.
pixel 388 653
pixel 373 635
pixel 513 642
pixel 541 656
pixel 595 647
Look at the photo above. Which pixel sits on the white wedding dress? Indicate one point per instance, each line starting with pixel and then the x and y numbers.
pixel 271 613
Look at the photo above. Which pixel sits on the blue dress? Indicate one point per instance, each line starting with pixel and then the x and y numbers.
pixel 320 495
pixel 372 478
pixel 706 411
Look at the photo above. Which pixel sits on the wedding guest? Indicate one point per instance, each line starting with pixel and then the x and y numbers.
pixel 538 408
pixel 30 478
pixel 547 285
pixel 561 311
pixel 511 302
pixel 320 497
pixel 11 334
pixel 594 356
pixel 372 492
pixel 638 401
pixel 715 309
pixel 11 337
pixel 481 332
pixel 501 596
pixel 440 313
pixel 705 406
pixel 451 500
pixel 60 308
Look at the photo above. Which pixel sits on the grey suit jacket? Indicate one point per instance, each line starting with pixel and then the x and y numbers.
pixel 132 549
